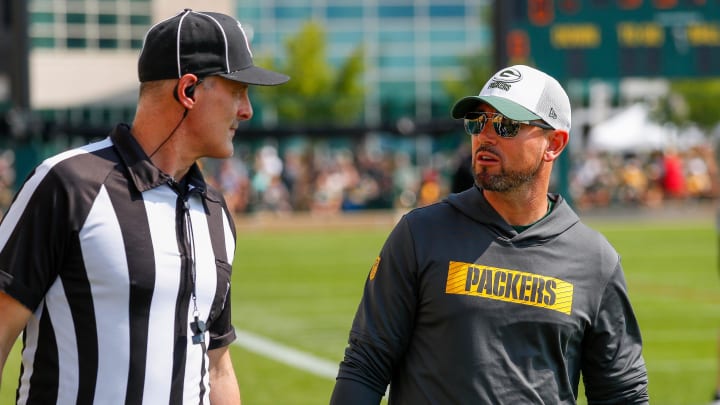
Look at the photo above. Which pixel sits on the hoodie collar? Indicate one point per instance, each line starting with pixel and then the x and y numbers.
pixel 472 203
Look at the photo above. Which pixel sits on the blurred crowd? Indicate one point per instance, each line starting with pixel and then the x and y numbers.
pixel 317 180
pixel 333 180
pixel 645 179
pixel 7 179
pixel 355 179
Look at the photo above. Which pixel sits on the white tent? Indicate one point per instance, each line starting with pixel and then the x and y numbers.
pixel 629 130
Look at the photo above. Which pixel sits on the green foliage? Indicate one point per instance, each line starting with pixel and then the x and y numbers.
pixel 477 69
pixel 317 92
pixel 348 106
pixel 691 101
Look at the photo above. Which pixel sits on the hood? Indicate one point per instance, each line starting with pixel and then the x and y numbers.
pixel 472 203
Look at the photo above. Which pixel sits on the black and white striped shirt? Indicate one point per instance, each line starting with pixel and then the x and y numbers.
pixel 100 245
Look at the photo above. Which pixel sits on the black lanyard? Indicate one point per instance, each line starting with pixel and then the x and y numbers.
pixel 185 191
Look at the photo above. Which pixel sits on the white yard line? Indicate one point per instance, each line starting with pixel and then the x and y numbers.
pixel 286 355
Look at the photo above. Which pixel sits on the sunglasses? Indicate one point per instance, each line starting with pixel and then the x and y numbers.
pixel 504 126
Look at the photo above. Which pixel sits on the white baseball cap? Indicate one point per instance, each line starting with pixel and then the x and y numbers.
pixel 522 93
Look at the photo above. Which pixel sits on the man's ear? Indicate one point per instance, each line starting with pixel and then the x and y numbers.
pixel 557 142
pixel 184 91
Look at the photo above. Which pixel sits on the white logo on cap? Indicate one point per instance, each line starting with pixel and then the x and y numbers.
pixel 502 79
pixel 508 76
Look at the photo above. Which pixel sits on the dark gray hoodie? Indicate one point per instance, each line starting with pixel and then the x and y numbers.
pixel 460 308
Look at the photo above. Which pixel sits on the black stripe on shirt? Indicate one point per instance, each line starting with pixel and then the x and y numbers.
pixel 219 319
pixel 183 301
pixel 129 205
pixel 44 383
pixel 80 302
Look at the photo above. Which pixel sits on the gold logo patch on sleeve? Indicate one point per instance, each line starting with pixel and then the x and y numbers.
pixel 510 286
pixel 374 268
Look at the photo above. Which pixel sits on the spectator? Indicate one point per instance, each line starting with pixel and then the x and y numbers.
pixel 233 179
pixel 673 179
pixel 405 181
pixel 633 182
pixel 7 179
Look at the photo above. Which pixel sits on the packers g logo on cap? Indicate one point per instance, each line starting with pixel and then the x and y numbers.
pixel 509 75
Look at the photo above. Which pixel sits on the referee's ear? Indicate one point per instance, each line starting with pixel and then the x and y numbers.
pixel 557 141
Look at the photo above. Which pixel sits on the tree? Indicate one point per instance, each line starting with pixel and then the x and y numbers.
pixel 477 69
pixel 692 101
pixel 477 66
pixel 317 93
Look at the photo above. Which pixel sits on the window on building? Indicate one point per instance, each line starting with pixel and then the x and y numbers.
pixel 107 19
pixel 75 18
pixel 74 43
pixel 457 35
pixel 344 12
pixel 293 12
pixel 100 24
pixel 42 42
pixel 396 11
pixel 447 10
pixel 444 60
pixel 44 18
pixel 108 43
pixel 393 61
pixel 395 35
pixel 140 19
pixel 346 37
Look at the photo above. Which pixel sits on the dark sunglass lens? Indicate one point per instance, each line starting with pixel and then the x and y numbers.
pixel 475 122
pixel 506 127
pixel 474 127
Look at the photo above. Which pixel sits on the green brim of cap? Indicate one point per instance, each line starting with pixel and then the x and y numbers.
pixel 504 106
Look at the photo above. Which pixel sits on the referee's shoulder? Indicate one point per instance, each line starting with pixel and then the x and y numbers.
pixel 92 162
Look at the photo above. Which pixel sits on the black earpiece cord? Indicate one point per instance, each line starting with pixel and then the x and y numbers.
pixel 189 92
pixel 171 133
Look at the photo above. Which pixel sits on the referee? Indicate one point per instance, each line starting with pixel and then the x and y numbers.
pixel 115 257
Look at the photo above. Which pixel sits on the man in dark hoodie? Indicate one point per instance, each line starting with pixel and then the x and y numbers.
pixel 498 294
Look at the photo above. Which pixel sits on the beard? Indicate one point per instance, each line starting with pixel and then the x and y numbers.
pixel 506 180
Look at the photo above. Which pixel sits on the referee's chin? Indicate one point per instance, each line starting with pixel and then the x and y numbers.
pixel 222 151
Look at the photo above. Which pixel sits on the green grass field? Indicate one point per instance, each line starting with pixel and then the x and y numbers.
pixel 300 288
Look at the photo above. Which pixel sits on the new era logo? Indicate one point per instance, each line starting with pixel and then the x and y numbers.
pixel 552 113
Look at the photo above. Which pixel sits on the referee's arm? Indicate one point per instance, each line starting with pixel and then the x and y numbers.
pixel 13 318
pixel 224 389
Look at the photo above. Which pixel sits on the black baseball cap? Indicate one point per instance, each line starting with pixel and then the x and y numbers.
pixel 204 44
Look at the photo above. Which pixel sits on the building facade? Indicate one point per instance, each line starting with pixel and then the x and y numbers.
pixel 83 56
pixel 83 53
pixel 411 46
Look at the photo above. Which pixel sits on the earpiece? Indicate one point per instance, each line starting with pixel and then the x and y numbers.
pixel 190 90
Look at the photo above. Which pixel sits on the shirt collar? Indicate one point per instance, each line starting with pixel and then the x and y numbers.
pixel 143 173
